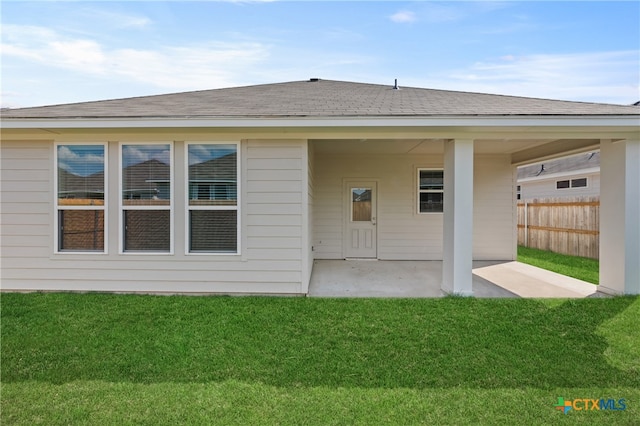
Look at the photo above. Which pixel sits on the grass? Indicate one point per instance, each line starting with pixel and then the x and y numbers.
pixel 582 268
pixel 127 359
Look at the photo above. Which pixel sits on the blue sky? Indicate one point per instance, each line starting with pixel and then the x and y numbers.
pixel 69 51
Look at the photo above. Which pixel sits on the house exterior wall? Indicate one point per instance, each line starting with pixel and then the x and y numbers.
pixel 307 243
pixel 494 209
pixel 402 232
pixel 274 205
pixel 547 188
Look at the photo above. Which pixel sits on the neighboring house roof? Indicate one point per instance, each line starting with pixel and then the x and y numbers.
pixel 145 176
pixel 319 98
pixel 221 169
pixel 586 162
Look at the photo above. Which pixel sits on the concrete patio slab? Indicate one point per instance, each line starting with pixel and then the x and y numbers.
pixel 529 281
pixel 365 278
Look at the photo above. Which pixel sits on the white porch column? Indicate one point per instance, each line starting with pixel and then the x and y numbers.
pixel 620 217
pixel 458 217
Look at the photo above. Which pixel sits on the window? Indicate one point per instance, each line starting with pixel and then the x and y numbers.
pixel 212 205
pixel 579 183
pixel 430 190
pixel 80 208
pixel 573 183
pixel 146 197
pixel 361 206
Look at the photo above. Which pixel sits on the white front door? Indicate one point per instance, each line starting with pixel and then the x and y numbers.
pixel 360 237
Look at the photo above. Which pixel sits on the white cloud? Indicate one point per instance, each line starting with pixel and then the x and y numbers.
pixel 403 17
pixel 79 160
pixel 118 20
pixel 141 153
pixel 610 77
pixel 208 64
pixel 69 154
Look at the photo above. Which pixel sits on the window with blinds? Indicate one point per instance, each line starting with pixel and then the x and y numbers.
pixel 430 190
pixel 80 200
pixel 212 204
pixel 146 199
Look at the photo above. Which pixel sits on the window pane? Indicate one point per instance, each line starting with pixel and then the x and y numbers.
pixel 213 175
pixel 214 231
pixel 579 183
pixel 146 175
pixel 431 202
pixel 562 184
pixel 81 230
pixel 147 230
pixel 360 204
pixel 431 180
pixel 80 175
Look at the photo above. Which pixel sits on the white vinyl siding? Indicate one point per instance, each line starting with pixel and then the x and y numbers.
pixel 308 229
pixel 403 233
pixel 273 201
pixel 545 188
pixel 26 205
pixel 493 208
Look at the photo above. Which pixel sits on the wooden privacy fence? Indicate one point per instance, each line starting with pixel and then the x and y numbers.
pixel 562 225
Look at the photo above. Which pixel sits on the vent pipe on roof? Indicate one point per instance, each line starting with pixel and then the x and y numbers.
pixel 395 85
pixel 314 79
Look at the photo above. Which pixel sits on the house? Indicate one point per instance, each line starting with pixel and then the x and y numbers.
pixel 239 190
pixel 573 176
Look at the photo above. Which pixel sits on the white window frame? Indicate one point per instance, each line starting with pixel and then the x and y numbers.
pixel 570 180
pixel 170 207
pixel 57 207
pixel 421 191
pixel 188 208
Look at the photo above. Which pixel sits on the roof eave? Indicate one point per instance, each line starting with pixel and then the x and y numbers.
pixel 629 122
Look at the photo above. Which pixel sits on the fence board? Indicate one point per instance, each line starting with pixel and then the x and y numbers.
pixel 562 225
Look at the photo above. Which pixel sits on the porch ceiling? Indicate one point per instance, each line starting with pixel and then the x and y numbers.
pixel 520 149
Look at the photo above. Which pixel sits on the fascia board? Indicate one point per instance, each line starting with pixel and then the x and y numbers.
pixel 619 123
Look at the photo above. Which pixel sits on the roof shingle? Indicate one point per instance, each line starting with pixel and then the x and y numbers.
pixel 321 98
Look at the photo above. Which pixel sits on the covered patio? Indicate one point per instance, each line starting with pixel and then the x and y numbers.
pixel 401 278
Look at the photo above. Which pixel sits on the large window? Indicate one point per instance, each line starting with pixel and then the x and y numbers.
pixel 80 207
pixel 146 197
pixel 430 191
pixel 212 202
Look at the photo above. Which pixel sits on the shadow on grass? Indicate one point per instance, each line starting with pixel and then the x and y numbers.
pixel 288 342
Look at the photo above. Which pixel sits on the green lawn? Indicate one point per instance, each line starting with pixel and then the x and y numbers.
pixel 89 359
pixel 582 268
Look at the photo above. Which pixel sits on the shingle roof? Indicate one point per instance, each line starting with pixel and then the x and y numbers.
pixel 319 98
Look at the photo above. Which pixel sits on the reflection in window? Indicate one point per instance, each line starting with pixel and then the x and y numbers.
pixel 146 197
pixel 80 201
pixel 361 204
pixel 213 197
pixel 430 191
